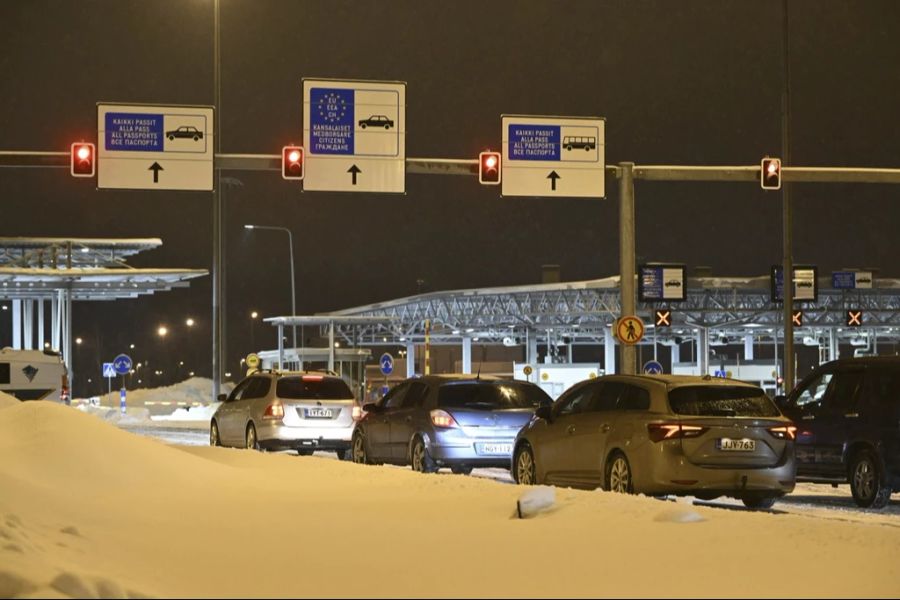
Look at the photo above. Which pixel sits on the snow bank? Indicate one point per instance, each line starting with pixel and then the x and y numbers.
pixel 7 400
pixel 88 510
pixel 196 391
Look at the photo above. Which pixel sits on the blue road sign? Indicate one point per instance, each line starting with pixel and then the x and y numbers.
pixel 534 142
pixel 122 364
pixel 331 117
pixel 108 370
pixel 387 363
pixel 652 367
pixel 134 132
pixel 122 400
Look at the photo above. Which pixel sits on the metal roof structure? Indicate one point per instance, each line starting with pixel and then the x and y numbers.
pixel 64 270
pixel 87 268
pixel 584 310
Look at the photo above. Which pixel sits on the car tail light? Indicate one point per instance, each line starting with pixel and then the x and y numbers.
pixel 274 411
pixel 671 431
pixel 357 412
pixel 783 432
pixel 64 390
pixel 441 418
pixel 312 378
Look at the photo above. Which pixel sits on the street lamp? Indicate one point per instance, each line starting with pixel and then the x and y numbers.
pixel 293 285
pixel 189 322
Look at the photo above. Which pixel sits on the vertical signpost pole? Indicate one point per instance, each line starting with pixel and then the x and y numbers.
pixel 626 258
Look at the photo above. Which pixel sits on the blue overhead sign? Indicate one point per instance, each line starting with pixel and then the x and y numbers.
pixel 331 117
pixel 534 142
pixel 135 132
pixel 851 280
pixel 661 282
pixel 805 284
pixel 122 364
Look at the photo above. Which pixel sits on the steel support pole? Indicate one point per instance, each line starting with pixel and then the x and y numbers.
pixel 626 258
pixel 748 347
pixel 331 346
pixel 609 352
pixel 467 355
pixel 40 315
pixel 703 350
pixel 410 359
pixel 17 324
pixel 218 284
pixel 787 216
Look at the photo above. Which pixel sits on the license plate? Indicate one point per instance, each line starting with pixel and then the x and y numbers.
pixel 744 445
pixel 319 413
pixel 495 449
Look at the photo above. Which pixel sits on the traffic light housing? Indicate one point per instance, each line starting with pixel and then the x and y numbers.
pixel 770 173
pixel 292 162
pixel 489 168
pixel 82 160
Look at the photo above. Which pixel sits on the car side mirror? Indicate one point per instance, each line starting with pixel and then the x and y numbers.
pixel 371 407
pixel 221 397
pixel 544 412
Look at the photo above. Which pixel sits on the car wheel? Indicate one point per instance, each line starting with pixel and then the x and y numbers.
pixel 214 435
pixel 525 472
pixel 420 459
pixel 618 475
pixel 387 127
pixel 758 502
pixel 358 449
pixel 171 138
pixel 250 441
pixel 362 125
pixel 196 138
pixel 305 451
pixel 344 454
pixel 461 469
pixel 867 481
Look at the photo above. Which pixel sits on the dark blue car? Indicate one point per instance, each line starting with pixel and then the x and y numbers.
pixel 847 414
pixel 456 421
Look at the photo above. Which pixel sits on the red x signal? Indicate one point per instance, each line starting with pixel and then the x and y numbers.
pixel 663 318
pixel 854 318
pixel 797 318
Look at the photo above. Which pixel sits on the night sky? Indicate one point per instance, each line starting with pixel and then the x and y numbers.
pixel 690 82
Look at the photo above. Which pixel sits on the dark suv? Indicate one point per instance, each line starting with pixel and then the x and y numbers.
pixel 848 418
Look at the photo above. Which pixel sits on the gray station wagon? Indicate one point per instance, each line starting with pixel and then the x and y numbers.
pixel 660 435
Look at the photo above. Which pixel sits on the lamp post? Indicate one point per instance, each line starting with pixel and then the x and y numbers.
pixel 253 317
pixel 293 286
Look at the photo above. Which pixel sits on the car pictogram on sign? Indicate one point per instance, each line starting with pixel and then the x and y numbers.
pixel 376 121
pixel 185 131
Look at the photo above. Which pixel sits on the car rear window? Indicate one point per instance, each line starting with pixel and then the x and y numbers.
pixel 490 395
pixel 721 401
pixel 306 388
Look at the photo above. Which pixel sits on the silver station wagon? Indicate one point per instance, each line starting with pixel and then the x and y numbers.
pixel 660 435
pixel 271 410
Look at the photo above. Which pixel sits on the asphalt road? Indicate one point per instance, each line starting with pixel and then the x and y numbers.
pixel 814 500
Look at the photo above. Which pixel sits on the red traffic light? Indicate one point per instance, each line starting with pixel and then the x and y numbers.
pixel 292 162
pixel 489 168
pixel 770 174
pixel 81 160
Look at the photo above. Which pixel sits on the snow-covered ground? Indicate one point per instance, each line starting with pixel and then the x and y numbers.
pixel 90 510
